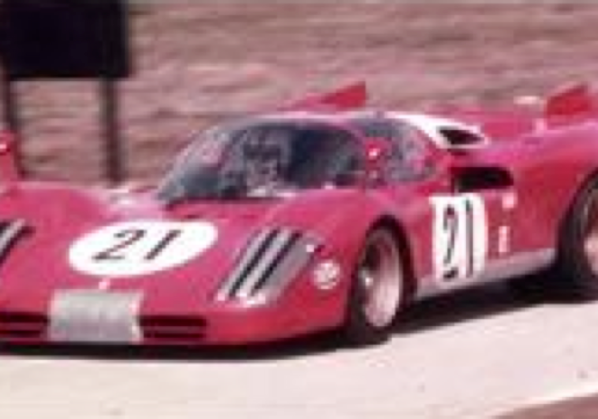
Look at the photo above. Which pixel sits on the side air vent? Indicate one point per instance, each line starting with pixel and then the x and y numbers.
pixel 173 329
pixel 462 139
pixel 471 179
pixel 271 260
pixel 22 326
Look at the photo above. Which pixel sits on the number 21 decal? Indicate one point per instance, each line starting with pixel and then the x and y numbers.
pixel 140 247
pixel 126 241
pixel 460 237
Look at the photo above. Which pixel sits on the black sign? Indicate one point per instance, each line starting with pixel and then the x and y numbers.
pixel 45 39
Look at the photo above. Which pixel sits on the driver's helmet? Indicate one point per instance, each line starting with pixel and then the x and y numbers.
pixel 266 158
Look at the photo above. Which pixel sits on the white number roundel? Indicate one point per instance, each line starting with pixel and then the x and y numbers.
pixel 140 247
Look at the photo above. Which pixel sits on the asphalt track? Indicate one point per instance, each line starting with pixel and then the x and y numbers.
pixel 473 355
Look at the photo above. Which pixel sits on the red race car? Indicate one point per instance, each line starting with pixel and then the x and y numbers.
pixel 323 215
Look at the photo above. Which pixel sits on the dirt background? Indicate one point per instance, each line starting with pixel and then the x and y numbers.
pixel 201 62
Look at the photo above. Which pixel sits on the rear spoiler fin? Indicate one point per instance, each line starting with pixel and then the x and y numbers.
pixel 571 104
pixel 346 98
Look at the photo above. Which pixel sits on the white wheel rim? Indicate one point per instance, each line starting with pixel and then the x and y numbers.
pixel 380 276
pixel 590 234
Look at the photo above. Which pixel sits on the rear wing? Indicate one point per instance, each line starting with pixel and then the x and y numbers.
pixel 350 97
pixel 570 104
pixel 567 105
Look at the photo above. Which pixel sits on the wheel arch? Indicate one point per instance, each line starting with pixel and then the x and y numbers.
pixel 399 233
pixel 591 177
pixel 582 281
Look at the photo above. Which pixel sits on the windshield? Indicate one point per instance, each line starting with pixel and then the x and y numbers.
pixel 262 159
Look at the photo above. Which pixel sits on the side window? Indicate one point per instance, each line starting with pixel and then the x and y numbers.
pixel 410 155
pixel 324 155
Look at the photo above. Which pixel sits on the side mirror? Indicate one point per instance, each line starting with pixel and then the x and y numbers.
pixel 9 172
pixel 377 151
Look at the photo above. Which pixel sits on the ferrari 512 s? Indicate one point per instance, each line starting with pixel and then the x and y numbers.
pixel 323 215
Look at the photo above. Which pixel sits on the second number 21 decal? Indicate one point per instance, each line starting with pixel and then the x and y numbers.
pixel 459 236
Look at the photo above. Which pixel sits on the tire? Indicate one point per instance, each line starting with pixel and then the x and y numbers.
pixel 536 287
pixel 577 263
pixel 378 290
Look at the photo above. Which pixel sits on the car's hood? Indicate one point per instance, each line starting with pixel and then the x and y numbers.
pixel 177 257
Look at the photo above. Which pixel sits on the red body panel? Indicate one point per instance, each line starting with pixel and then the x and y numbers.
pixel 187 291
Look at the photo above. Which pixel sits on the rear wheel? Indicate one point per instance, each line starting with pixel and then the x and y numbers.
pixel 577 267
pixel 378 289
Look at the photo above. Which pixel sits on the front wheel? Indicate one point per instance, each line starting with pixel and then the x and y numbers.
pixel 378 289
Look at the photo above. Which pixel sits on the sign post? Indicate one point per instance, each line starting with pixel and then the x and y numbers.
pixel 68 39
pixel 113 145
pixel 11 116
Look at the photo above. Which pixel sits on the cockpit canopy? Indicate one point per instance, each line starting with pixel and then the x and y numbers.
pixel 279 155
pixel 263 158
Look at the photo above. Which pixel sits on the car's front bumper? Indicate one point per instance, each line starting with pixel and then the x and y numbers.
pixel 223 324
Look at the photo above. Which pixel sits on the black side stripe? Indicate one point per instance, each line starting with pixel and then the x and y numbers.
pixel 9 233
pixel 260 263
pixel 281 255
pixel 255 259
pixel 270 256
pixel 250 258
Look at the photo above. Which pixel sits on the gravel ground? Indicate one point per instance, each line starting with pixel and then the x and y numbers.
pixel 473 355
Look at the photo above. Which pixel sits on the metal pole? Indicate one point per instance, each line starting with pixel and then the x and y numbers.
pixel 114 159
pixel 12 119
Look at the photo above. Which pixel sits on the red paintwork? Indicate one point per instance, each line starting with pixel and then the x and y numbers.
pixel 573 102
pixel 547 167
pixel 8 167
